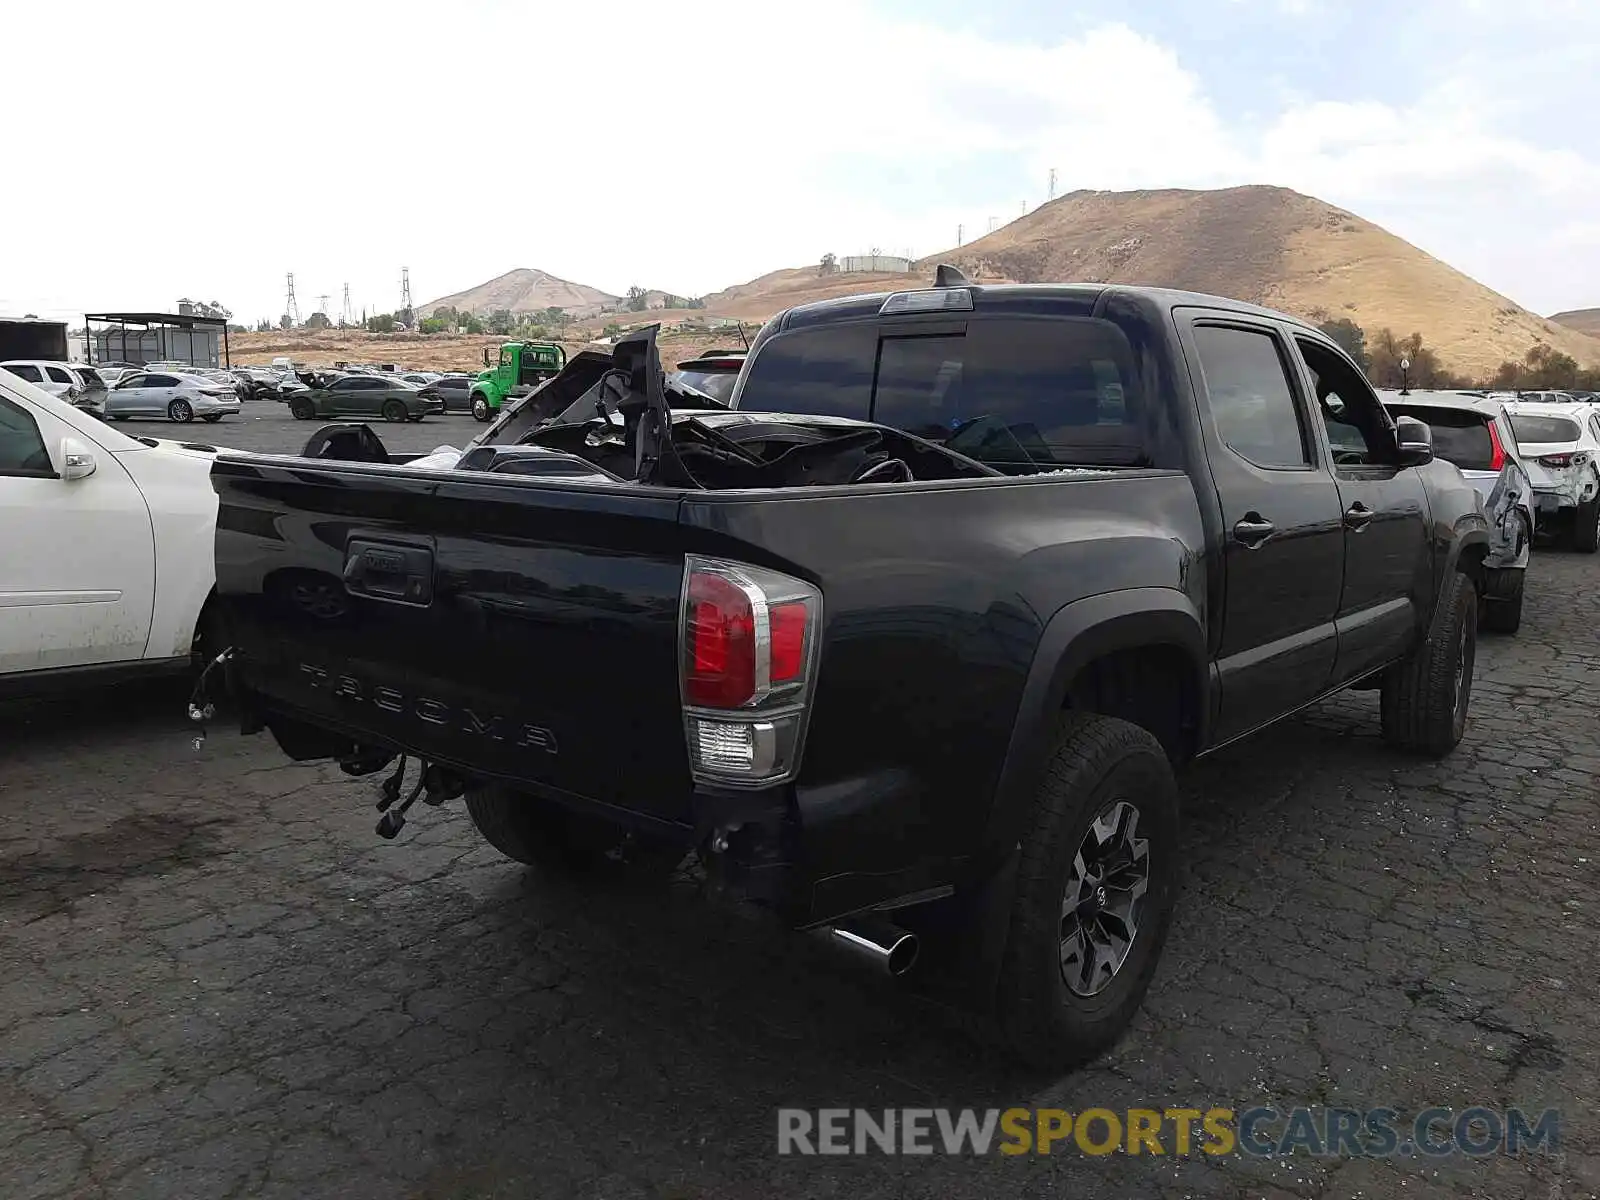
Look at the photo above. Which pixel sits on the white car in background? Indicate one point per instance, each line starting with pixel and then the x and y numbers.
pixel 56 378
pixel 106 541
pixel 1561 445
pixel 173 397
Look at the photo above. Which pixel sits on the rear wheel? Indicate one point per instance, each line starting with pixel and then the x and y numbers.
pixel 536 832
pixel 181 411
pixel 302 409
pixel 1586 527
pixel 1502 601
pixel 1425 698
pixel 1094 893
pixel 394 411
pixel 480 408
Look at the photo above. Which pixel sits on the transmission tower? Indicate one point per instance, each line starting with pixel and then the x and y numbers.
pixel 345 314
pixel 960 229
pixel 291 306
pixel 322 303
pixel 405 294
pixel 1052 183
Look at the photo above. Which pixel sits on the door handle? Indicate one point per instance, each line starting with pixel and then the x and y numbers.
pixel 1253 529
pixel 1357 517
pixel 389 571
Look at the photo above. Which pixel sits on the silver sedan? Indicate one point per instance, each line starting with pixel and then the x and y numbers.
pixel 170 396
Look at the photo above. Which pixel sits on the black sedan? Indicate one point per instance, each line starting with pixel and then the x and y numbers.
pixel 451 391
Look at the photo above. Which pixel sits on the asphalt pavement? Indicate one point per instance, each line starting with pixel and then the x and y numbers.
pixel 215 981
pixel 265 425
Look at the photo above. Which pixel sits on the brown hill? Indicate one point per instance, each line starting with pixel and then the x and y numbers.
pixel 1584 320
pixel 1268 245
pixel 1275 247
pixel 526 291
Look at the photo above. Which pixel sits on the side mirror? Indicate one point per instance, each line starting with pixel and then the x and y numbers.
pixel 1413 441
pixel 76 460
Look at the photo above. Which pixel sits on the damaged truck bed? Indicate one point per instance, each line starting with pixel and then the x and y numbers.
pixel 906 644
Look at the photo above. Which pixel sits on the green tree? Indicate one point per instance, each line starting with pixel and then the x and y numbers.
pixel 318 320
pixel 499 322
pixel 612 330
pixel 437 325
pixel 284 322
pixel 382 323
pixel 1545 367
pixel 471 323
pixel 264 326
pixel 637 299
pixel 1386 352
pixel 1350 337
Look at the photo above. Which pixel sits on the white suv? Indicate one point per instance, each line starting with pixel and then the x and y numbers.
pixel 56 378
pixel 1561 443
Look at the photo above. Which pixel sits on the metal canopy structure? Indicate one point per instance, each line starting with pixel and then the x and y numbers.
pixel 155 337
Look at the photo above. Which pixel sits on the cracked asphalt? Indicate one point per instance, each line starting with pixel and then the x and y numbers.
pixel 215 981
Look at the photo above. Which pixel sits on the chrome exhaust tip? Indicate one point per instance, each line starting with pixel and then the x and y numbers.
pixel 883 947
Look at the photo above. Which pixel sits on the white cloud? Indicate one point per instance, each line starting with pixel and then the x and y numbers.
pixel 213 148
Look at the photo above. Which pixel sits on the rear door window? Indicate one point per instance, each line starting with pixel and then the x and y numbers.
pixel 1459 436
pixel 26 371
pixel 1252 401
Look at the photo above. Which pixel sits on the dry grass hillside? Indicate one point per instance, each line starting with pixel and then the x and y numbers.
pixel 523 291
pixel 1584 320
pixel 1275 247
pixel 418 352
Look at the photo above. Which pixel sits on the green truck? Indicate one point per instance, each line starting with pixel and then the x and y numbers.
pixel 523 366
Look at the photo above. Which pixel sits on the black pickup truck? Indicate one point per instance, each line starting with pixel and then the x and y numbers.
pixel 906 644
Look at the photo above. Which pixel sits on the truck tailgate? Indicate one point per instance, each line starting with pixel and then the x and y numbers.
pixel 528 630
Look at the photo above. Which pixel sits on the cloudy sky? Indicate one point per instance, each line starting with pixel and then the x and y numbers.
pixel 206 149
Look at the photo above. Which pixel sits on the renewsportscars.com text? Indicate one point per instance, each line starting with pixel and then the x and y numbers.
pixel 1259 1131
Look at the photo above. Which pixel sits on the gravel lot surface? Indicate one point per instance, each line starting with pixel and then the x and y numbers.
pixel 215 981
pixel 265 425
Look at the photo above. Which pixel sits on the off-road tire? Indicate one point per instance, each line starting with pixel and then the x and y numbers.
pixel 1502 601
pixel 1586 527
pixel 528 830
pixel 394 411
pixel 1424 703
pixel 1093 761
pixel 180 411
pixel 302 409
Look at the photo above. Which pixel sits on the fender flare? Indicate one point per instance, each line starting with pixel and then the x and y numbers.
pixel 1079 633
pixel 1473 537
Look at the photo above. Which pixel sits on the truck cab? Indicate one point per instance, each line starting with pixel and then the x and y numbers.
pixel 521 367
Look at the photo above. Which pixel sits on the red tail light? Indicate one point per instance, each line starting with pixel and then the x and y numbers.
pixel 1564 460
pixel 749 639
pixel 722 643
pixel 1497 453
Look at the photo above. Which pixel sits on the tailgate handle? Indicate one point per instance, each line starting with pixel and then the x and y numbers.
pixel 388 571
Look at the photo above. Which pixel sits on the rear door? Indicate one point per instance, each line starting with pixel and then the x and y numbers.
pixel 1388 565
pixel 1283 552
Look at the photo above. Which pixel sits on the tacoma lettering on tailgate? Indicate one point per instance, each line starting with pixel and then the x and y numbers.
pixel 434 712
